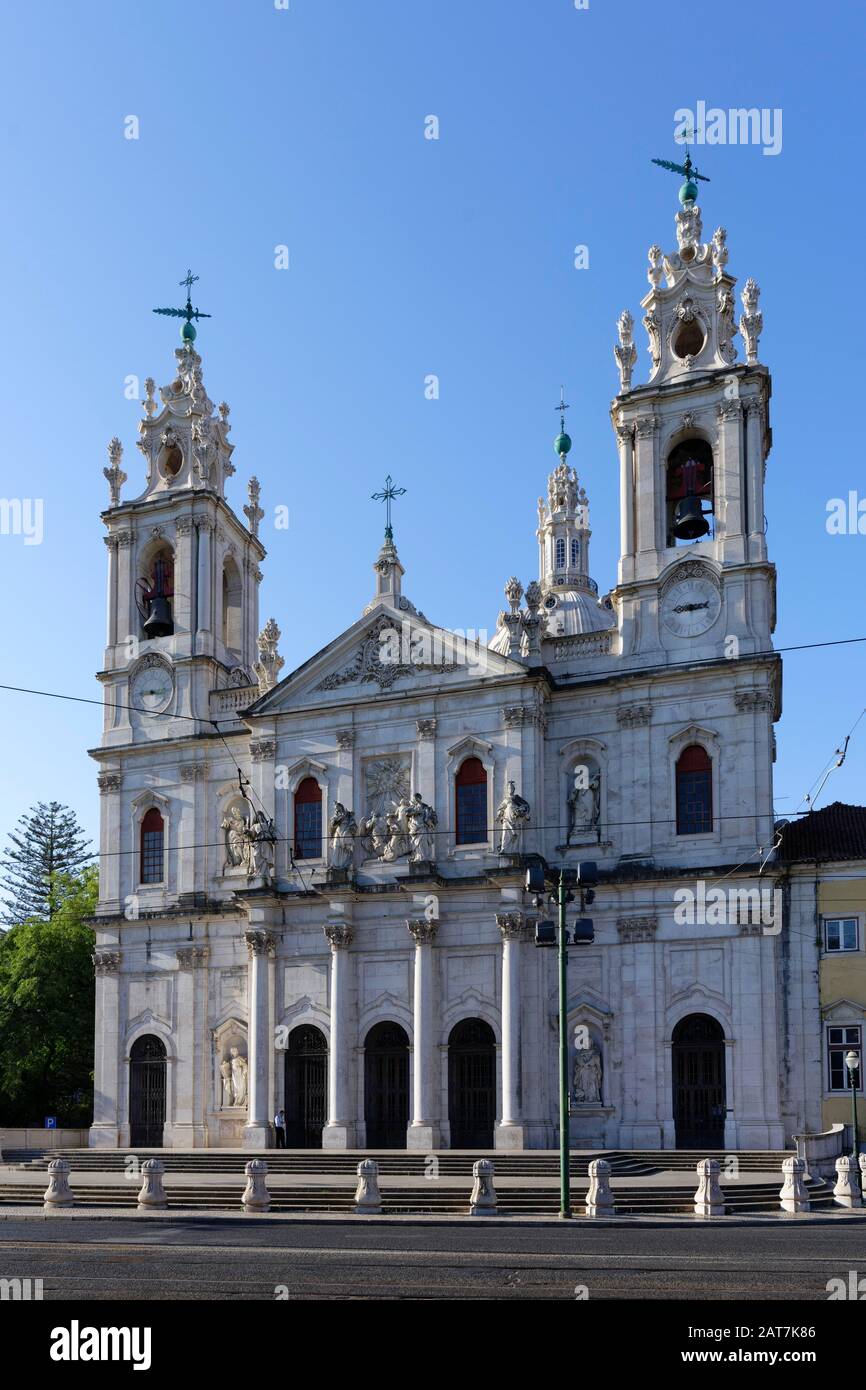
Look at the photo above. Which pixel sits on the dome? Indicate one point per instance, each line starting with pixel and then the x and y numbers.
pixel 573 612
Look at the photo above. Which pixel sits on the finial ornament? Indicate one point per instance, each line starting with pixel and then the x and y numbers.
pixel 752 321
pixel 387 495
pixel 188 331
pixel 270 663
pixel 626 352
pixel 562 443
pixel 689 190
pixel 253 511
pixel 114 473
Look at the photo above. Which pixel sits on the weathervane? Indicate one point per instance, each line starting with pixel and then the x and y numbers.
pixel 387 495
pixel 188 331
pixel 689 190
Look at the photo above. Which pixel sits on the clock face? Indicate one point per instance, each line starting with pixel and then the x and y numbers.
pixel 690 607
pixel 152 689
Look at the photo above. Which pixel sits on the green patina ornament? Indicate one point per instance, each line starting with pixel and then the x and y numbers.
pixel 562 444
pixel 688 192
pixel 188 331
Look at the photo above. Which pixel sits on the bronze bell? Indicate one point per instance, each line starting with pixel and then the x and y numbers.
pixel 158 622
pixel 689 519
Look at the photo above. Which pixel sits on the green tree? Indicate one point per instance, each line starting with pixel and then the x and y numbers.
pixel 47 843
pixel 46 1010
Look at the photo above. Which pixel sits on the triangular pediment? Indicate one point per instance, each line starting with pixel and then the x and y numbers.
pixel 386 649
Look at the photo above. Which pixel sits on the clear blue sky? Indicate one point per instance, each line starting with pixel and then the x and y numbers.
pixel 305 127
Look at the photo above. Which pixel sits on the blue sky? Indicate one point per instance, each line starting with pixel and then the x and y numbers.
pixel 304 127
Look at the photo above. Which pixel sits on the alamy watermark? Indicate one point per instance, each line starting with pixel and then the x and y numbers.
pixel 739 125
pixel 721 907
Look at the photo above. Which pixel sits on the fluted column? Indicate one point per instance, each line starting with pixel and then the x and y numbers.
pixel 509 1131
pixel 339 1129
pixel 423 1132
pixel 625 441
pixel 205 620
pixel 111 595
pixel 260 948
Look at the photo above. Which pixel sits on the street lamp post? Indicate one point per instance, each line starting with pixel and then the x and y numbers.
pixel 852 1062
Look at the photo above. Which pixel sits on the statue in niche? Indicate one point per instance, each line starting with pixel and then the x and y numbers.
pixel 239 1077
pixel 228 1087
pixel 586 1077
pixel 421 821
pixel 512 815
pixel 261 837
pixel 584 802
pixel 235 827
pixel 376 833
pixel 343 829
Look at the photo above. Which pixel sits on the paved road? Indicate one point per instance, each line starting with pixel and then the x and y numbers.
pixel 249 1259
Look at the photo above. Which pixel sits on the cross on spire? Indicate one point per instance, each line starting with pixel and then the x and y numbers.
pixel 188 313
pixel 562 408
pixel 387 495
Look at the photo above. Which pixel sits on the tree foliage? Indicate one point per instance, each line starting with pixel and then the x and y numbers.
pixel 46 844
pixel 47 1008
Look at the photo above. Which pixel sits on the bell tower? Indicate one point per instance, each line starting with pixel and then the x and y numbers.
pixel 183 569
pixel 693 443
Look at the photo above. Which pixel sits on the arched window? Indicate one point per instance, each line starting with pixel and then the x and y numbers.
pixel 152 847
pixel 560 552
pixel 154 592
pixel 308 820
pixel 694 778
pixel 575 553
pixel 232 613
pixel 690 496
pixel 470 788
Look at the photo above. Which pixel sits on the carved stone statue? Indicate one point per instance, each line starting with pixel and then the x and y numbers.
pixel 239 1077
pixel 228 1087
pixel 586 1078
pixel 584 805
pixel 343 829
pixel 235 826
pixel 421 821
pixel 261 838
pixel 512 815
pixel 398 830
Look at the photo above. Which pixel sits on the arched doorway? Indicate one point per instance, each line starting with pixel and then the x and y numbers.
pixel 306 1087
pixel 699 1082
pixel 472 1084
pixel 146 1092
pixel 386 1086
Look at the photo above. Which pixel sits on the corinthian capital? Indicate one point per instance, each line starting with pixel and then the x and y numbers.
pixel 422 930
pixel 259 943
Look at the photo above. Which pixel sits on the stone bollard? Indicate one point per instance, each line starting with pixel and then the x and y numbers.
pixel 794 1195
pixel 862 1162
pixel 599 1198
pixel 152 1192
pixel 709 1198
pixel 58 1192
pixel 847 1190
pixel 256 1195
pixel 483 1199
pixel 368 1201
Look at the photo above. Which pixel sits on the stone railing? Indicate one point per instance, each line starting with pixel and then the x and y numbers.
pixel 232 699
pixel 584 644
pixel 821 1150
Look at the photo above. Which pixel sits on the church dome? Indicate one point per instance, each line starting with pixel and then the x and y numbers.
pixel 573 612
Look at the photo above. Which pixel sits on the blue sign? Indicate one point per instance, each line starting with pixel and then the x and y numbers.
pixel 50 1121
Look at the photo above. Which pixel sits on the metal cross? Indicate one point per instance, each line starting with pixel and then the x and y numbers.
pixel 387 495
pixel 562 408
pixel 189 312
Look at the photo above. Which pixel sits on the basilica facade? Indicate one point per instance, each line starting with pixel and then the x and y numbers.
pixel 312 884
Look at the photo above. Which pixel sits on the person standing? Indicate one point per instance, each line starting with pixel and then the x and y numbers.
pixel 280 1127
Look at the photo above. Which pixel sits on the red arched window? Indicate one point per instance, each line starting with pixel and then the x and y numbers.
pixel 470 789
pixel 308 820
pixel 694 776
pixel 152 846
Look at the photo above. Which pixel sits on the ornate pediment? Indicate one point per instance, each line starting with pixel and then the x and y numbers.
pixel 387 652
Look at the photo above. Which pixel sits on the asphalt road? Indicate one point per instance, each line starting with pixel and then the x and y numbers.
pixel 197 1259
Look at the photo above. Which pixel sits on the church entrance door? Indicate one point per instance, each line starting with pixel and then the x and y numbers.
pixel 146 1092
pixel 306 1088
pixel 472 1084
pixel 386 1086
pixel 699 1083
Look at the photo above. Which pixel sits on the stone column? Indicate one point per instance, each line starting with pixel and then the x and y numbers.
pixel 204 616
pixel 104 1130
pixel 423 1132
pixel 755 479
pixel 510 1131
pixel 625 440
pixel 257 1131
pixel 111 596
pixel 728 480
pixel 339 1131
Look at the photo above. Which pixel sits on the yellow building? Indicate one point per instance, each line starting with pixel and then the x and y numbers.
pixel 825 854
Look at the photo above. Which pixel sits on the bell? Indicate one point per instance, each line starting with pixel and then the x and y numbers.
pixel 158 622
pixel 689 520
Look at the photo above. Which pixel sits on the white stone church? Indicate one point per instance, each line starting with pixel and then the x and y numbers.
pixel 311 892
